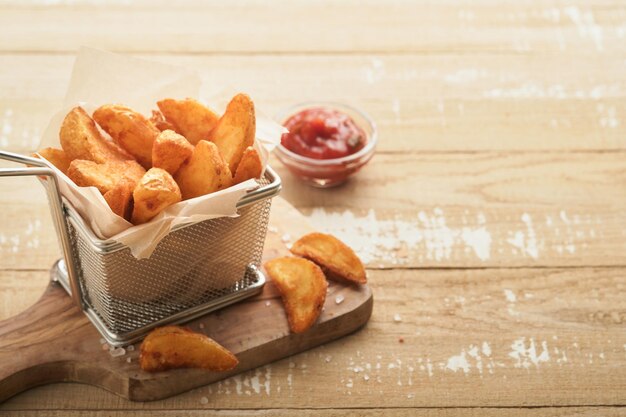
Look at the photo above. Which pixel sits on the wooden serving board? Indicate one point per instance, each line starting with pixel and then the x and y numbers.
pixel 53 341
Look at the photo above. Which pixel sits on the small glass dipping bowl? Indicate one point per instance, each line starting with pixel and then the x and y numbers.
pixel 325 173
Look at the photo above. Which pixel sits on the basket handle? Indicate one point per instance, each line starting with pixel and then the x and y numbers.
pixel 40 168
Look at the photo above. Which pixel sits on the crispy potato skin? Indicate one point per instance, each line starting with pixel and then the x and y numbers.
pixel 189 117
pixel 302 286
pixel 175 347
pixel 155 191
pixel 334 256
pixel 120 198
pixel 250 166
pixel 235 130
pixel 131 130
pixel 204 173
pixel 170 151
pixel 56 157
pixel 159 121
pixel 104 176
pixel 81 139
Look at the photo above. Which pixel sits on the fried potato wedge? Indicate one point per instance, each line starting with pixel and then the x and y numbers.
pixel 250 166
pixel 235 130
pixel 81 139
pixel 120 198
pixel 205 172
pixel 103 176
pixel 159 121
pixel 173 347
pixel 170 151
pixel 154 192
pixel 302 286
pixel 334 256
pixel 129 129
pixel 56 157
pixel 189 117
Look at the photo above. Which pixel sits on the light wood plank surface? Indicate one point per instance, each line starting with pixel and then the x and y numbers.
pixel 492 219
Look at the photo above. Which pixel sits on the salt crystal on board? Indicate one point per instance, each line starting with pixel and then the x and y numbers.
pixel 120 351
pixel 272 229
pixel 329 358
pixel 102 341
pixel 128 360
pixel 286 238
pixel 204 400
pixel 201 325
pixel 366 377
pixel 339 299
pixel 105 347
pixel 130 348
pixel 397 318
pixel 267 304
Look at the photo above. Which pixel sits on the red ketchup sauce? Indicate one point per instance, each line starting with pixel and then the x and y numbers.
pixel 322 133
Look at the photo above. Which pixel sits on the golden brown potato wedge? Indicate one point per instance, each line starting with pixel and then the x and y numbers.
pixel 250 166
pixel 334 256
pixel 56 157
pixel 302 286
pixel 159 121
pixel 154 192
pixel 204 173
pixel 131 130
pixel 170 151
pixel 189 117
pixel 103 176
pixel 81 139
pixel 235 130
pixel 120 198
pixel 173 347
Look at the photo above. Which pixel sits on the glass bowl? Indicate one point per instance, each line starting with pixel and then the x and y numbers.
pixel 325 173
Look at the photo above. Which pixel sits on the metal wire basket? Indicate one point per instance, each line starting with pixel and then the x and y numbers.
pixel 195 269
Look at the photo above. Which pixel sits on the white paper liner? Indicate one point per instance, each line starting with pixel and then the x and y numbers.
pixel 101 77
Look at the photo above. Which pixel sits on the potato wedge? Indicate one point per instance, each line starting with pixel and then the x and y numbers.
pixel 81 139
pixel 129 129
pixel 155 191
pixel 56 157
pixel 103 176
pixel 334 256
pixel 250 166
pixel 189 117
pixel 302 286
pixel 205 172
pixel 173 347
pixel 235 130
pixel 120 198
pixel 170 151
pixel 159 121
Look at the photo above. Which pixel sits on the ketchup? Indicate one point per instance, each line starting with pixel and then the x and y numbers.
pixel 322 133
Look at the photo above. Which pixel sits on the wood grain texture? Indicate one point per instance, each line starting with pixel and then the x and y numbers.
pixel 354 412
pixel 419 102
pixel 242 26
pixel 53 341
pixel 474 338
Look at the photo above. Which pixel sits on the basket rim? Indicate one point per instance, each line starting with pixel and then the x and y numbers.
pixel 109 245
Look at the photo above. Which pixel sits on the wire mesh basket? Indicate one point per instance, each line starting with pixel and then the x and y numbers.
pixel 195 269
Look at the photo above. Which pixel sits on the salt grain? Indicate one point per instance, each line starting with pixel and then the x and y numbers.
pixel 204 400
pixel 128 360
pixel 130 348
pixel 329 358
pixel 286 238
pixel 105 347
pixel 366 377
pixel 201 325
pixel 120 351
pixel 339 299
pixel 272 229
pixel 102 341
pixel 267 304
pixel 397 318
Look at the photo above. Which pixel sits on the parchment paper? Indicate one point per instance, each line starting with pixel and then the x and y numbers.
pixel 101 77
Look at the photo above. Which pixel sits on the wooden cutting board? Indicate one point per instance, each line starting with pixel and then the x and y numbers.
pixel 53 341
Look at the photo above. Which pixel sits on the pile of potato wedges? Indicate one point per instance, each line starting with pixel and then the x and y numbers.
pixel 143 165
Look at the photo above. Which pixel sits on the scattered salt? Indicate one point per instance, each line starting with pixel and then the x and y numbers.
pixel 102 341
pixel 409 396
pixel 105 347
pixel 329 358
pixel 267 304
pixel 397 318
pixel 204 400
pixel 128 360
pixel 201 325
pixel 286 238
pixel 339 299
pixel 130 348
pixel 272 229
pixel 366 377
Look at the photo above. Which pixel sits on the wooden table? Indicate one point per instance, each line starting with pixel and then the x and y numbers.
pixel 492 219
